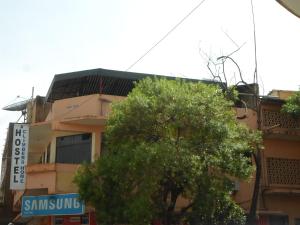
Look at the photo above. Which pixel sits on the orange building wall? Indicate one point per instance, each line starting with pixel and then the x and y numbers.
pixel 90 105
pixel 289 149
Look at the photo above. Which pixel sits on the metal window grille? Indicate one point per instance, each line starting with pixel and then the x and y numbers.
pixel 276 118
pixel 283 171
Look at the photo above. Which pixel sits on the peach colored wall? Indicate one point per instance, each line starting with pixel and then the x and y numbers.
pixel 249 117
pixel 279 148
pixel 273 148
pixel 41 176
pixel 63 129
pixel 75 107
pixel 64 178
pixel 279 143
pixel 289 149
pixel 57 178
pixel 285 204
pixel 41 180
pixel 244 195
pixel 91 105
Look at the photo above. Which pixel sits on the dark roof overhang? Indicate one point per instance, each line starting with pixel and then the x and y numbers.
pixel 104 81
pixel 272 100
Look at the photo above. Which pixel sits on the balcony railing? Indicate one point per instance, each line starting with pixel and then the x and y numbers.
pixel 284 173
pixel 83 110
pixel 275 122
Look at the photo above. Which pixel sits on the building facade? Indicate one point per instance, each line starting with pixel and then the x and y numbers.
pixel 66 129
pixel 279 186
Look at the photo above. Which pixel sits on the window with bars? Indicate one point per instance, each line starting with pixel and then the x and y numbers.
pixel 283 171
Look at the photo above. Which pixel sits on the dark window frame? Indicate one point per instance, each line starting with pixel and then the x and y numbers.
pixel 74 149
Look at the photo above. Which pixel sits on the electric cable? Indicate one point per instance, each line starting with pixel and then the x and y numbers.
pixel 166 35
pixel 255 79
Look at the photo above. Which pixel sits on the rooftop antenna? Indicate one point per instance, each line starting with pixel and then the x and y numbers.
pixel 32 93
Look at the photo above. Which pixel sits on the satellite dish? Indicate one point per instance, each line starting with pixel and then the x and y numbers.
pixel 18 106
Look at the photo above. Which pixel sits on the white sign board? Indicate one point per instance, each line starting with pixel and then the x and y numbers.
pixel 19 156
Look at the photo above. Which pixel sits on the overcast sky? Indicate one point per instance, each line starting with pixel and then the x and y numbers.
pixel 39 39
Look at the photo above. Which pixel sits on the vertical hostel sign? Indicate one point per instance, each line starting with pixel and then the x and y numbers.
pixel 19 156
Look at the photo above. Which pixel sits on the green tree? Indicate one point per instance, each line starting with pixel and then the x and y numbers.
pixel 292 105
pixel 169 140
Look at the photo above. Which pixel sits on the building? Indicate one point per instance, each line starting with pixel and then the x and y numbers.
pixel 66 129
pixel 280 186
pixel 279 192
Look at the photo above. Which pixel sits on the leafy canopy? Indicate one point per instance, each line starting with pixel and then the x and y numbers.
pixel 292 105
pixel 173 149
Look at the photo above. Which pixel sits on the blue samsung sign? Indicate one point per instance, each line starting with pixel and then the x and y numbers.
pixel 61 204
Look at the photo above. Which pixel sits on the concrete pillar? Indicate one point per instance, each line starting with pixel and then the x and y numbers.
pixel 96 143
pixel 53 150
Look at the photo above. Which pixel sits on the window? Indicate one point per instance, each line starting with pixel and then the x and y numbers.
pixel 74 149
pixel 58 220
pixel 278 220
pixel 47 155
pixel 84 219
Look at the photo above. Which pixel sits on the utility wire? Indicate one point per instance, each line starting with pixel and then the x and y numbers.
pixel 227 35
pixel 166 35
pixel 255 79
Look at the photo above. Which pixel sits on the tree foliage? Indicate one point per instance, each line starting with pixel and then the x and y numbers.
pixel 292 105
pixel 173 149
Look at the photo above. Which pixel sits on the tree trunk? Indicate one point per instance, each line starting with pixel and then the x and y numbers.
pixel 251 219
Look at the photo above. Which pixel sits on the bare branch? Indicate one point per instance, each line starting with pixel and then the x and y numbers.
pixel 240 72
pixel 237 49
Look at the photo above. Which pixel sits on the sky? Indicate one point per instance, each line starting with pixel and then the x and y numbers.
pixel 39 39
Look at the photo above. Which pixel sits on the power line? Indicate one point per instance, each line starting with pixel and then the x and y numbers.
pixel 255 79
pixel 227 35
pixel 166 35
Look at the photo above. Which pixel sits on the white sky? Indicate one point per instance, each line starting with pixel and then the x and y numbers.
pixel 39 39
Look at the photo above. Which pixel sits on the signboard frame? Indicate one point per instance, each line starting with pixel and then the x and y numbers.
pixel 19 156
pixel 51 201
